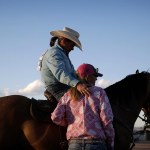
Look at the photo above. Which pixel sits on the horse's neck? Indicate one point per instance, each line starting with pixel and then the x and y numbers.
pixel 124 115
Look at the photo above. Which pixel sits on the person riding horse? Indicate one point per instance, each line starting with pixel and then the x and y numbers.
pixel 57 72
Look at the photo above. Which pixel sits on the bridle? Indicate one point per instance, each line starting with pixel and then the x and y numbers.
pixel 146 110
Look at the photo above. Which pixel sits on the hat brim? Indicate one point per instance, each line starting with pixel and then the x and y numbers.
pixel 68 36
pixel 99 74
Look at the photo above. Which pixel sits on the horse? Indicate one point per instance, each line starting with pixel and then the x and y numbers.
pixel 127 98
pixel 20 131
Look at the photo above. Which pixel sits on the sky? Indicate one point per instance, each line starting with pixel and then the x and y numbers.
pixel 115 36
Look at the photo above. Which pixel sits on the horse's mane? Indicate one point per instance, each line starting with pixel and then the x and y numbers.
pixel 130 79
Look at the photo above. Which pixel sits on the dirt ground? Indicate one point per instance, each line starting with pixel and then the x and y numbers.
pixel 142 146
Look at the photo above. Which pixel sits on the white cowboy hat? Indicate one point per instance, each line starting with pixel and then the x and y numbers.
pixel 69 34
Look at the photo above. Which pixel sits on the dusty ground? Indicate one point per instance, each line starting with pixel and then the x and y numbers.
pixel 142 146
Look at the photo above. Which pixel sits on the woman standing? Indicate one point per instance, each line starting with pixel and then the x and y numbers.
pixel 88 118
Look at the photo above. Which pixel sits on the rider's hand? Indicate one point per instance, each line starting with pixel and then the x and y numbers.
pixel 83 89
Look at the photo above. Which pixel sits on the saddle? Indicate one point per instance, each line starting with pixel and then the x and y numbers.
pixel 41 110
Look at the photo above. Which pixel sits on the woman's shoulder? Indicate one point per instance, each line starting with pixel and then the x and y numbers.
pixel 66 97
pixel 96 88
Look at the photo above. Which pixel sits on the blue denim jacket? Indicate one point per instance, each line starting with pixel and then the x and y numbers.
pixel 57 67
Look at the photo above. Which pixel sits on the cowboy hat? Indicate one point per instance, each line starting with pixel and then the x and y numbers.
pixel 69 34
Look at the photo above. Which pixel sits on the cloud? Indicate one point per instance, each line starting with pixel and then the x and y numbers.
pixel 4 92
pixel 34 88
pixel 103 83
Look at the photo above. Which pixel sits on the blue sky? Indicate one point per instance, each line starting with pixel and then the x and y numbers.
pixel 115 35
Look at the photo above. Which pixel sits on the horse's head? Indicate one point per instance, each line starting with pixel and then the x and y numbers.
pixel 146 110
pixel 140 85
pixel 146 105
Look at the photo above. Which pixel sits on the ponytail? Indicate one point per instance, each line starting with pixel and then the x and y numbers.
pixel 52 41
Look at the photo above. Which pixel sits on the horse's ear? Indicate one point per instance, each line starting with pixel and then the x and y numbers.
pixel 137 71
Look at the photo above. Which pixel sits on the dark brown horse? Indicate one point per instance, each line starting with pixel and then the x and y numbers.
pixel 19 131
pixel 127 98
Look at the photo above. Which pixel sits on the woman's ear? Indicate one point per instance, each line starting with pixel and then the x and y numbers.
pixel 87 79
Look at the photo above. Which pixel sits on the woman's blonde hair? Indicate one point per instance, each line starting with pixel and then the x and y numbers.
pixel 74 93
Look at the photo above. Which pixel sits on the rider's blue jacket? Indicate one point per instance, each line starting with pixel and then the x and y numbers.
pixel 57 67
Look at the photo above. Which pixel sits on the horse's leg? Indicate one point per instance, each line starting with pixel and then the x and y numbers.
pixel 42 136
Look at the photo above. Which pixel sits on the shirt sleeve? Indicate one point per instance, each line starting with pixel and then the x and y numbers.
pixel 60 68
pixel 58 115
pixel 107 118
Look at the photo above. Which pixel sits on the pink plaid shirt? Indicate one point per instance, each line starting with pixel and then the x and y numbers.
pixel 89 118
